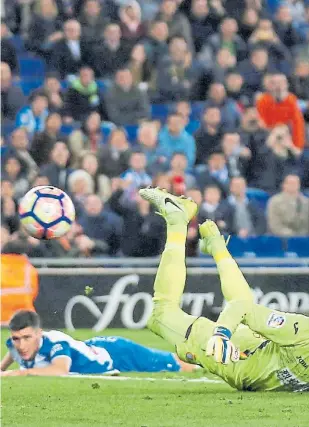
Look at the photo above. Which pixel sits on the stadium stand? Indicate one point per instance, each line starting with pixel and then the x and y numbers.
pixel 227 88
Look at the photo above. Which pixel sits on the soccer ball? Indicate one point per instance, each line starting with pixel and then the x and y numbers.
pixel 46 212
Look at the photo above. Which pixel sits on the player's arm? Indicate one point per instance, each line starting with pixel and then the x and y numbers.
pixel 6 361
pixel 59 367
pixel 220 345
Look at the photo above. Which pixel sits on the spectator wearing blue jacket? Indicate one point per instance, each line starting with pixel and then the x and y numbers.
pixel 33 116
pixel 136 175
pixel 100 225
pixel 147 139
pixel 173 138
pixel 230 114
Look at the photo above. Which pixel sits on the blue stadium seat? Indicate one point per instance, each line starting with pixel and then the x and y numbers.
pixel 159 111
pixel 266 246
pixel 193 126
pixel 239 247
pixel 27 85
pixel 259 196
pixel 299 246
pixel 31 67
pixel 197 109
pixel 19 44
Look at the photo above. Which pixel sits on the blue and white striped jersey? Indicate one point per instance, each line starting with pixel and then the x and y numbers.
pixel 85 358
pixel 97 355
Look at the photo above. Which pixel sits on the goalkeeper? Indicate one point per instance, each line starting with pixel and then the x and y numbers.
pixel 271 348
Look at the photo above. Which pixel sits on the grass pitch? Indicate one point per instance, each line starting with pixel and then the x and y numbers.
pixel 143 401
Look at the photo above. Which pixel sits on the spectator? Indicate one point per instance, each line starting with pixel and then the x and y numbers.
pixel 80 184
pixel 208 136
pixel 248 23
pixel 9 214
pixel 93 22
pixel 148 142
pixel 212 206
pixel 8 50
pixel 115 52
pixel 300 80
pixel 215 173
pixel 131 25
pixel 274 160
pixel 288 211
pixel 203 21
pixel 71 53
pixel 43 142
pixel 53 91
pixel 56 171
pixel 179 77
pixel 230 114
pixel 265 35
pixel 19 148
pixel 88 137
pixel 235 89
pixel 174 138
pixel 140 67
pixel 156 43
pixel 40 180
pixel 126 104
pixel 45 28
pixel 279 106
pixel 225 62
pixel 33 116
pixel 100 225
pixel 284 27
pixel 5 235
pixel 242 216
pixel 163 180
pixel 178 24
pixel 237 155
pixel 136 176
pixel 83 97
pixel 302 26
pixel 254 69
pixel 89 163
pixel 143 230
pixel 109 8
pixel 181 180
pixel 12 97
pixel 14 172
pixel 252 133
pixel 228 38
pixel 114 157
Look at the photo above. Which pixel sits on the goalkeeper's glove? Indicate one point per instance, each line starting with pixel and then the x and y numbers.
pixel 221 347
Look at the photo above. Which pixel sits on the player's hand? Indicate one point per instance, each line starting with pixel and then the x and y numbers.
pixel 11 373
pixel 221 347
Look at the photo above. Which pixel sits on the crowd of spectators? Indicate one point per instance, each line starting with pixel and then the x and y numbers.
pixel 244 65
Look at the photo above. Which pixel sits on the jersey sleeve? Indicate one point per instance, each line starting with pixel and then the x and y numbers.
pixel 9 344
pixel 58 349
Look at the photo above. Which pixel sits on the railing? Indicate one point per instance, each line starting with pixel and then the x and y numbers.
pixel 154 262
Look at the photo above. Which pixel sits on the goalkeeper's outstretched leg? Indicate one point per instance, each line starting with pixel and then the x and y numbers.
pixel 167 319
pixel 281 328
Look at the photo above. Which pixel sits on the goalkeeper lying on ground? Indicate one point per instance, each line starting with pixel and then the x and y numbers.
pixel 54 353
pixel 271 348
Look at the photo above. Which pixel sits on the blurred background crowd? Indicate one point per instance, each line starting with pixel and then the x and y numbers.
pixel 207 98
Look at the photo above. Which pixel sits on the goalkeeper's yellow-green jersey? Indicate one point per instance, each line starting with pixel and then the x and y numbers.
pixel 268 366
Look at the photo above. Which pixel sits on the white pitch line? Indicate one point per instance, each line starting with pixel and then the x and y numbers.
pixel 120 378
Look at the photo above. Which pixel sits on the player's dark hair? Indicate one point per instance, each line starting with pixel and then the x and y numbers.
pixel 24 319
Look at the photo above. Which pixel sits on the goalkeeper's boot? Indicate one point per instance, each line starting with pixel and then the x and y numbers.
pixel 172 208
pixel 212 240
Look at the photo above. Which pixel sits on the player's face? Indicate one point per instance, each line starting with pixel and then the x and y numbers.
pixel 27 341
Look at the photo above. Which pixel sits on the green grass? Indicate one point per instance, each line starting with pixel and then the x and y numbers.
pixel 55 402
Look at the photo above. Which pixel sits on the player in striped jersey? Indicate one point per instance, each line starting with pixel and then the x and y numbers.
pixel 55 353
